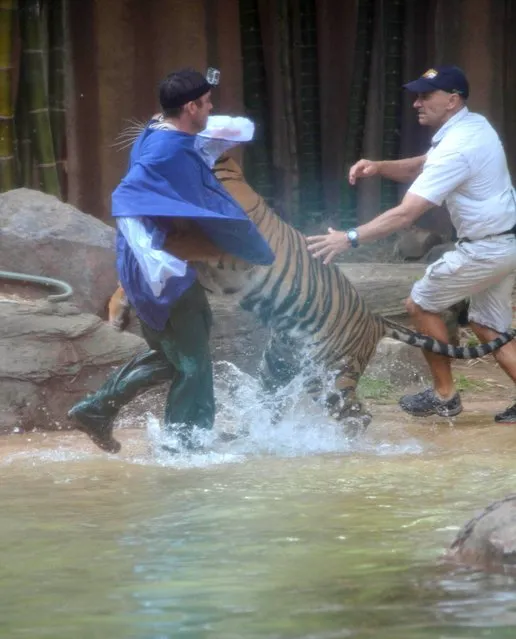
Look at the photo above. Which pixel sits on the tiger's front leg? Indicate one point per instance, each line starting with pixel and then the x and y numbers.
pixel 280 364
pixel 119 310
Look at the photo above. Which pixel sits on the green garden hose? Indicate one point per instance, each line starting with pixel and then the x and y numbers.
pixel 66 289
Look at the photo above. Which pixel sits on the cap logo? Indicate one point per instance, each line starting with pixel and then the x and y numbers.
pixel 212 76
pixel 430 74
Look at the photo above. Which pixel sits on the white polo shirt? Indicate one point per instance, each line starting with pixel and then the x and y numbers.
pixel 466 167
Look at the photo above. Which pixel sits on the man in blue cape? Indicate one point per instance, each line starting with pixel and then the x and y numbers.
pixel 169 186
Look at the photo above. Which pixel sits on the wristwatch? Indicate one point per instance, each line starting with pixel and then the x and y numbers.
pixel 353 237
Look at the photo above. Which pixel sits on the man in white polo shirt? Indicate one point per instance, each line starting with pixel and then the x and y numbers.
pixel 465 167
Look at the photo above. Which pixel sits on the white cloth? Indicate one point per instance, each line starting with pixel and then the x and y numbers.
pixel 483 272
pixel 222 132
pixel 156 266
pixel 467 168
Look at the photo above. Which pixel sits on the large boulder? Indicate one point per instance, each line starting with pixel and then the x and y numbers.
pixel 237 336
pixel 397 363
pixel 415 243
pixel 437 252
pixel 488 541
pixel 52 355
pixel 43 236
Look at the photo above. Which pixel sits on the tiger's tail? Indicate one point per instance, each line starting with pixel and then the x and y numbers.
pixel 427 343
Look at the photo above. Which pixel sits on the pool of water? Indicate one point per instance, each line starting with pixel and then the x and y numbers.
pixel 295 533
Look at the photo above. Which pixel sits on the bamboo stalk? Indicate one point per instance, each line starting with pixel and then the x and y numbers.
pixel 56 85
pixel 7 137
pixel 357 104
pixel 290 191
pixel 393 22
pixel 23 142
pixel 257 156
pixel 32 29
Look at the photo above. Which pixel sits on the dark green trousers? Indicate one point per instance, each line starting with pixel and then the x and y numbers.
pixel 180 353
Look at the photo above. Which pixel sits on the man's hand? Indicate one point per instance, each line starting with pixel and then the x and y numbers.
pixel 362 169
pixel 328 246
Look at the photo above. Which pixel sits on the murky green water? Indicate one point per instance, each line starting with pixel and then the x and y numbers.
pixel 318 546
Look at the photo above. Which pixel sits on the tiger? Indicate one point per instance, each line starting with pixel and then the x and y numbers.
pixel 312 310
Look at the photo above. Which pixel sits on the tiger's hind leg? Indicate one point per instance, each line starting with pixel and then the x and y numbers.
pixel 279 366
pixel 119 310
pixel 342 402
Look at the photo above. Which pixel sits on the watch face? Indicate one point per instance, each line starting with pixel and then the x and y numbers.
pixel 353 237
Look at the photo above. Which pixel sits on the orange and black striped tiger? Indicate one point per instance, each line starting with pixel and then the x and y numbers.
pixel 313 311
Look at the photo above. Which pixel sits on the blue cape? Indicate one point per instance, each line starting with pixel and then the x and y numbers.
pixel 168 179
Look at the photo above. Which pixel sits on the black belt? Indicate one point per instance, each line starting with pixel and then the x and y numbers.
pixel 488 237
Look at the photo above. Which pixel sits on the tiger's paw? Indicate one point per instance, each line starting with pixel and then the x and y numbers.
pixel 119 310
pixel 357 425
pixel 350 413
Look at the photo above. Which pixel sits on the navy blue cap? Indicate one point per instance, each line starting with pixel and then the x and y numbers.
pixel 449 79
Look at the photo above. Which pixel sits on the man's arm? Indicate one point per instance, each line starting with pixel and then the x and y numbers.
pixel 405 170
pixel 398 170
pixel 399 217
pixel 402 216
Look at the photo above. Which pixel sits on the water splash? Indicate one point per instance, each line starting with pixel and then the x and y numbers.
pixel 244 411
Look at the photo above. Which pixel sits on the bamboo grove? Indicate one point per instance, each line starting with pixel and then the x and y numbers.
pixel 32 95
pixel 297 145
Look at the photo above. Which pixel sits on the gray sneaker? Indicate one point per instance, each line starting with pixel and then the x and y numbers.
pixel 508 416
pixel 427 403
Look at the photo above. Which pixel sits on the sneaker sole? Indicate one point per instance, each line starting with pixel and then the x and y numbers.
pixel 416 413
pixel 449 413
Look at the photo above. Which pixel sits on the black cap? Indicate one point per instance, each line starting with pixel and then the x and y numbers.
pixel 181 87
pixel 449 79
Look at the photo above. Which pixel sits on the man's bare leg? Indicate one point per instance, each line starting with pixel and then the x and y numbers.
pixel 440 366
pixel 505 356
pixel 443 399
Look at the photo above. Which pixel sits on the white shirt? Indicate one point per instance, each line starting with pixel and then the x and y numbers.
pixel 467 168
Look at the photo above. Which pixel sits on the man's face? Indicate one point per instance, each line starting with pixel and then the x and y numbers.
pixel 199 110
pixel 435 107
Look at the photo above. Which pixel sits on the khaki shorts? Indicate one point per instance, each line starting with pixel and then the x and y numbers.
pixel 483 272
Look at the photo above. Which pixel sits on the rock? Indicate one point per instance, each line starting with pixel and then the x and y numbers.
pixel 237 336
pixel 398 363
pixel 52 355
pixel 43 236
pixel 415 243
pixel 488 541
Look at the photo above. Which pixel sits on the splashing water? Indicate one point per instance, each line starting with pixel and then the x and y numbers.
pixel 303 429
